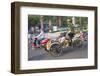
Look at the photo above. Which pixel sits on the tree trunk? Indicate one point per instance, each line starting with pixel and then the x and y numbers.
pixel 73 24
pixel 59 21
pixel 73 21
pixel 81 26
pixel 49 25
pixel 41 21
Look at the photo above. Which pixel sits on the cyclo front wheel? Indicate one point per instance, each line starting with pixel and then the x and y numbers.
pixel 55 49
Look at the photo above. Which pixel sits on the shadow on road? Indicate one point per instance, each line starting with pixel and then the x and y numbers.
pixel 68 53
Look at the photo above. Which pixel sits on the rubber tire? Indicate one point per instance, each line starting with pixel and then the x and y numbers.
pixel 55 47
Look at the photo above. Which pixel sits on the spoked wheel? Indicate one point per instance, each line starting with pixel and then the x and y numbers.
pixel 77 43
pixel 55 50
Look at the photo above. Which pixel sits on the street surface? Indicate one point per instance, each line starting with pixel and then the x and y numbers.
pixel 68 53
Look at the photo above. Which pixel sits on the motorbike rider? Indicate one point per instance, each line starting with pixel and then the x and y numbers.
pixel 39 37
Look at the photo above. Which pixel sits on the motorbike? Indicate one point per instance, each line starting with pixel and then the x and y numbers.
pixel 52 47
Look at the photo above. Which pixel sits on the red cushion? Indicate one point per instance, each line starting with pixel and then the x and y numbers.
pixel 44 41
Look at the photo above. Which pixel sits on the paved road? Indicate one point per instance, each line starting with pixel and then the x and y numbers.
pixel 68 53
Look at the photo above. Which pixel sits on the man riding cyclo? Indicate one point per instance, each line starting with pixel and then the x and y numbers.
pixel 65 38
pixel 70 38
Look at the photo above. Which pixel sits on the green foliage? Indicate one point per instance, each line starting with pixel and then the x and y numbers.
pixel 52 18
pixel 83 22
pixel 33 20
pixel 66 21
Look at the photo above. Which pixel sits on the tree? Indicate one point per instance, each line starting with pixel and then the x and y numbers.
pixel 82 22
pixel 70 23
pixel 59 21
pixel 41 21
pixel 50 20
pixel 33 20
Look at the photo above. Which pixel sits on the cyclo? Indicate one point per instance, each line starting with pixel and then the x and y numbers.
pixel 55 47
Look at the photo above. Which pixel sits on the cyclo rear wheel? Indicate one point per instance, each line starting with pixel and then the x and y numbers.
pixel 77 43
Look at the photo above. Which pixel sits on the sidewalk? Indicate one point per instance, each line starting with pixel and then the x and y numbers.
pixel 54 35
